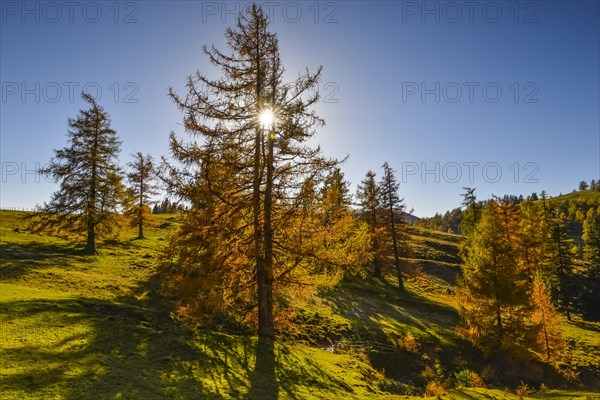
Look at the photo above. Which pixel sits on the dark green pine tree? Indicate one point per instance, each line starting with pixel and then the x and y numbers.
pixel 559 264
pixel 91 190
pixel 472 211
pixel 591 256
pixel 395 212
pixel 141 187
pixel 368 197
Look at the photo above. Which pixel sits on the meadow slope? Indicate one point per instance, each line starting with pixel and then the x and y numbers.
pixel 94 327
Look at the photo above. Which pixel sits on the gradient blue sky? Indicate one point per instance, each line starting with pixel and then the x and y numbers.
pixel 542 132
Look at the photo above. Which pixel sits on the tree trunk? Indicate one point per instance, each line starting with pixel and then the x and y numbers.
pixel 140 217
pixel 396 255
pixel 378 273
pixel 266 325
pixel 90 247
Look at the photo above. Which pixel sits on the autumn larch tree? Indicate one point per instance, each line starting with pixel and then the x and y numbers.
pixel 368 197
pixel 494 287
pixel 547 322
pixel 142 187
pixel 91 190
pixel 395 212
pixel 249 175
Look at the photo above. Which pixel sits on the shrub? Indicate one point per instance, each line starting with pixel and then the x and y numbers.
pixel 408 343
pixel 522 390
pixel 434 388
pixel 468 378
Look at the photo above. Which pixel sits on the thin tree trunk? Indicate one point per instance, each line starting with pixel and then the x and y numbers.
pixel 395 246
pixel 545 335
pixel 140 210
pixel 376 262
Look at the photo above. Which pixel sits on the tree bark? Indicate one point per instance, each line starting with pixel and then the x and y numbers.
pixel 395 246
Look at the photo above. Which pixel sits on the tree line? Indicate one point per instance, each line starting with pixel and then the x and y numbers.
pixel 521 269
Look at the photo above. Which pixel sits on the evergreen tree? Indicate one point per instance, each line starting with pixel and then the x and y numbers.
pixel 91 190
pixel 493 290
pixel 141 187
pixel 591 256
pixel 559 264
pixel 249 171
pixel 368 196
pixel 472 211
pixel 394 206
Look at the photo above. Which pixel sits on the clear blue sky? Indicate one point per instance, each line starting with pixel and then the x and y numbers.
pixel 451 94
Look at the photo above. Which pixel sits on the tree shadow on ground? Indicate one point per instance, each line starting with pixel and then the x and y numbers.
pixel 19 258
pixel 88 348
pixel 263 381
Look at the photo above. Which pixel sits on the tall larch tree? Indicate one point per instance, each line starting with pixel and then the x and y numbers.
pixel 141 187
pixel 395 213
pixel 248 162
pixel 368 197
pixel 91 191
pixel 547 322
pixel 493 289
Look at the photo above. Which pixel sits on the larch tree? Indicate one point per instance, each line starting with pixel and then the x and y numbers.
pixel 91 191
pixel 493 289
pixel 533 234
pixel 368 197
pixel 248 164
pixel 141 187
pixel 394 216
pixel 547 322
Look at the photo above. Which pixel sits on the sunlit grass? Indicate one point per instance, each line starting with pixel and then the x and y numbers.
pixel 92 327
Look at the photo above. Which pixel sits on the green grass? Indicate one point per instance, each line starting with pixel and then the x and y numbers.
pixel 93 327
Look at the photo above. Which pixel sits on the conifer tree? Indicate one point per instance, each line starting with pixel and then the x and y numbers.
pixel 395 212
pixel 493 290
pixel 559 264
pixel 368 196
pixel 91 190
pixel 141 188
pixel 250 175
pixel 547 321
pixel 591 256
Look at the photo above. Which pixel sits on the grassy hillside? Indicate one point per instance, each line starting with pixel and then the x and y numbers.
pixel 93 327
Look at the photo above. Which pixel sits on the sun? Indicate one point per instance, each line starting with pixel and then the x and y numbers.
pixel 266 118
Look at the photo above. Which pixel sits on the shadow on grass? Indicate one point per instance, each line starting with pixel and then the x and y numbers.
pixel 18 259
pixel 263 382
pixel 88 348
